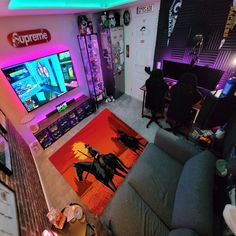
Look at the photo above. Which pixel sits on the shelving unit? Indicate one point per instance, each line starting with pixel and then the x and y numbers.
pixel 55 126
pixel 112 45
pixel 92 64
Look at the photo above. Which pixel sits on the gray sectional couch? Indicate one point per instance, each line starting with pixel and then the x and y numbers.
pixel 168 192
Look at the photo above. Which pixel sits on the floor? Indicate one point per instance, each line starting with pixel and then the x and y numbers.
pixel 56 190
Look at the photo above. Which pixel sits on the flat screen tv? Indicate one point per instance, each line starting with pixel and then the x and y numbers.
pixel 208 78
pixel 38 81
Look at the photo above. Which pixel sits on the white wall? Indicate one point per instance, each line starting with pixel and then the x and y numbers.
pixel 141 54
pixel 64 31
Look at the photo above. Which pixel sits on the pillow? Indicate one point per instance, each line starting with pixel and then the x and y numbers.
pixel 155 180
pixel 129 215
pixel 182 232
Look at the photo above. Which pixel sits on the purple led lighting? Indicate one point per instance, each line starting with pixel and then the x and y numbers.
pixel 31 55
pixel 28 55
pixel 187 59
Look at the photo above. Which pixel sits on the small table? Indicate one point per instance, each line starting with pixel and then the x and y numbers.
pixel 75 227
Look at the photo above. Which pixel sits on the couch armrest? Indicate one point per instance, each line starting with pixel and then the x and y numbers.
pixel 183 232
pixel 193 204
pixel 178 148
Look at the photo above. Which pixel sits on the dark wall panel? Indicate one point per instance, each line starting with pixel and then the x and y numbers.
pixel 207 17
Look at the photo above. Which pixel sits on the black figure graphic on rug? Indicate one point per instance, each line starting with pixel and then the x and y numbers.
pixel 130 141
pixel 103 167
pixel 95 169
pixel 109 162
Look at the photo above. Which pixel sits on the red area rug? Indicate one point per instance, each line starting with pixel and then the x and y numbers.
pixel 92 174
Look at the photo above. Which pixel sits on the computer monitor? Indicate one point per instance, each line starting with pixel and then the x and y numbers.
pixel 208 78
pixel 215 111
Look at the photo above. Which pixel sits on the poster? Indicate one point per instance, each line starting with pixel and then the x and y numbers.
pixel 5 159
pixel 8 212
pixel 173 15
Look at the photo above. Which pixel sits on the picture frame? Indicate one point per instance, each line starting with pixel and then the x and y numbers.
pixel 9 224
pixel 126 17
pixel 3 124
pixel 5 157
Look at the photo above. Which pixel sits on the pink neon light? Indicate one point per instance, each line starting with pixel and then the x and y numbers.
pixel 41 112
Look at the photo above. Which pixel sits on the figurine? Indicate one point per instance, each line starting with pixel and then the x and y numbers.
pixel 83 25
pixel 112 20
pixel 105 21
pixel 90 27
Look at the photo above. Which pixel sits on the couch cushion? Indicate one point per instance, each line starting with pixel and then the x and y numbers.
pixel 182 232
pixel 129 215
pixel 193 207
pixel 155 179
pixel 177 147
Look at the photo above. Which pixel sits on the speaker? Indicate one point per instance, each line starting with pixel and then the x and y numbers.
pixel 51 113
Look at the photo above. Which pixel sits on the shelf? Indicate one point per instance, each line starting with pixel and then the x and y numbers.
pixel 47 121
pixel 55 126
pixel 92 64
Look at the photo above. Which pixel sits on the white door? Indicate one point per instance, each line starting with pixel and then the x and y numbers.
pixel 140 35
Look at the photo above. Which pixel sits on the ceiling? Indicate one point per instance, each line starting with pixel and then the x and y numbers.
pixel 48 7
pixel 65 4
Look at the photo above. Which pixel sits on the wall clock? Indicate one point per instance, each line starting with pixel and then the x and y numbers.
pixel 126 17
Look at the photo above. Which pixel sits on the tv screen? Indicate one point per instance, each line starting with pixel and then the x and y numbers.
pixel 39 81
pixel 208 78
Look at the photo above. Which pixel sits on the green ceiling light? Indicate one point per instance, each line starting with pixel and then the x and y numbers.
pixel 114 3
pixel 65 4
pixel 49 4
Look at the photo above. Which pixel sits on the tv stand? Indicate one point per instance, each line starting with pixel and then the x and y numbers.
pixel 58 123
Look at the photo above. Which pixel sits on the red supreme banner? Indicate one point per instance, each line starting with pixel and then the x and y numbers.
pixel 29 37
